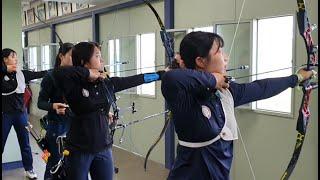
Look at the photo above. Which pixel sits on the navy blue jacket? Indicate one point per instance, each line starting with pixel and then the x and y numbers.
pixel 185 91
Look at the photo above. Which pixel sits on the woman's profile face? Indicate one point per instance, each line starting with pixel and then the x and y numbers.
pixel 217 60
pixel 12 59
pixel 95 60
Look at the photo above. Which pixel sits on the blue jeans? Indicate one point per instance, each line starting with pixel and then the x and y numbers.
pixel 19 121
pixel 54 130
pixel 100 165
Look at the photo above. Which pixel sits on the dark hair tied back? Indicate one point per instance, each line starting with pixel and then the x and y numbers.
pixel 82 53
pixel 64 49
pixel 6 53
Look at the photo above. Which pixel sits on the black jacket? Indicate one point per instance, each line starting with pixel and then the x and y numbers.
pixel 49 94
pixel 14 102
pixel 89 131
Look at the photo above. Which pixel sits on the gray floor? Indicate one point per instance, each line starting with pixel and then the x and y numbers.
pixel 130 166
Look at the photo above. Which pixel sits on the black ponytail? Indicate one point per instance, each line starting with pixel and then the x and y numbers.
pixel 64 49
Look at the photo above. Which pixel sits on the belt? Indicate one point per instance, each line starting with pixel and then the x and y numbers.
pixel 198 144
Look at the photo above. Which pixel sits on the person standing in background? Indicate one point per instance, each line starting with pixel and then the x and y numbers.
pixel 59 115
pixel 13 109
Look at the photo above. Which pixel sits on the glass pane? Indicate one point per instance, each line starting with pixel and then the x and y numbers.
pixel 45 53
pixel 240 54
pixel 33 61
pixel 23 36
pixel 121 53
pixel 147 61
pixel 117 57
pixel 48 56
pixel 275 52
pixel 127 55
pixel 25 58
pixel 147 53
pixel 205 29
pixel 111 57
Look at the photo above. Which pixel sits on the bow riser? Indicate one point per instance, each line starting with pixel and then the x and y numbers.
pixel 168 44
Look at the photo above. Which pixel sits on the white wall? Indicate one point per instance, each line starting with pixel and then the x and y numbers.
pixel 12 38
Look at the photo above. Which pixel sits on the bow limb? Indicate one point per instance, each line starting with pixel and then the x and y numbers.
pixel 168 45
pixel 305 30
pixel 165 37
pixel 167 121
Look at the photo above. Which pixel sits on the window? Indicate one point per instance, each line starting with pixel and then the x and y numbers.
pixel 45 57
pixel 23 36
pixel 111 56
pixel 33 58
pixel 240 54
pixel 138 52
pixel 114 54
pixel 25 58
pixel 204 29
pixel 117 56
pixel 265 45
pixel 145 44
pixel 275 51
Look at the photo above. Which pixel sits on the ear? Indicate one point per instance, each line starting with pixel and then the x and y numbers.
pixel 5 60
pixel 200 63
pixel 84 64
pixel 60 56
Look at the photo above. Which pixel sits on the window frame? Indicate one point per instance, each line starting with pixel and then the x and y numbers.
pixel 254 59
pixel 294 63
